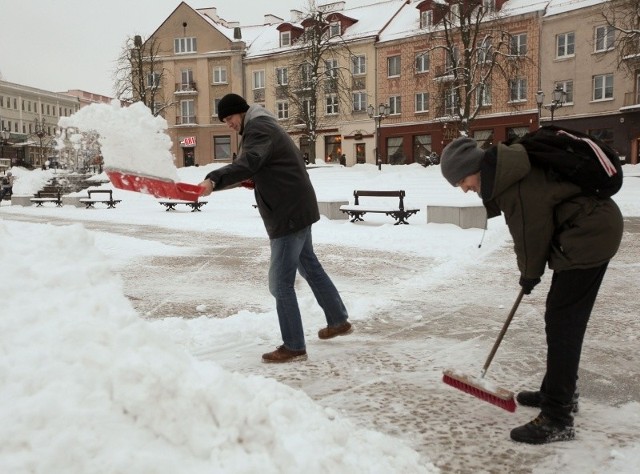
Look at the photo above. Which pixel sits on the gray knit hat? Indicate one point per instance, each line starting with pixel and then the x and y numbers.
pixel 459 159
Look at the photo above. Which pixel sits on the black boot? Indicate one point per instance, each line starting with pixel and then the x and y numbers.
pixel 533 399
pixel 542 430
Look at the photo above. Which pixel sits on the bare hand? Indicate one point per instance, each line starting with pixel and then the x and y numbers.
pixel 207 187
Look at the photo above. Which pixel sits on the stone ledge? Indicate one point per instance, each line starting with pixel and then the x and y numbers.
pixel 331 209
pixel 463 216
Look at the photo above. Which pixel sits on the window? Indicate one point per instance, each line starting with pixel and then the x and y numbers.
pixel 484 138
pixel 184 45
pixel 332 104
pixel 603 87
pixel 484 95
pixel 426 19
pixel 489 5
pixel 306 73
pixel 517 132
pixel 334 29
pixel 219 75
pixel 604 134
pixel 305 110
pixel 222 148
pixel 285 38
pixel 395 151
pixel 517 90
pixel 422 62
pixel 421 148
pixel 451 59
pixel 186 77
pixel 258 79
pixel 282 110
pixel 604 38
pixel 454 13
pixel 331 68
pixel 153 80
pixel 565 45
pixel 450 100
pixel 393 66
pixel 518 45
pixel 358 65
pixel 215 107
pixel 333 148
pixel 567 87
pixel 187 111
pixel 395 105
pixel 485 51
pixel 422 102
pixel 359 101
pixel 282 76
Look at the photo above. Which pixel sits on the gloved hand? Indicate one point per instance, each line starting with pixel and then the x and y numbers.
pixel 248 183
pixel 528 284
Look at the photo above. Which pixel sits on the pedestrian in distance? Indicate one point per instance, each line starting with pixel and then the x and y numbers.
pixel 6 188
pixel 286 200
pixel 552 222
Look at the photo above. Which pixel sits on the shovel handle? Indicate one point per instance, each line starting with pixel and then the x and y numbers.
pixel 505 326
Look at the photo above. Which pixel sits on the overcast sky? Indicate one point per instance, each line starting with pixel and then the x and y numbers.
pixel 73 44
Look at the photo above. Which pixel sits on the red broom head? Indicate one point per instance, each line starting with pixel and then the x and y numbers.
pixel 478 388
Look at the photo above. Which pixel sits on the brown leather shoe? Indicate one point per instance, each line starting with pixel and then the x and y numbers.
pixel 282 354
pixel 333 331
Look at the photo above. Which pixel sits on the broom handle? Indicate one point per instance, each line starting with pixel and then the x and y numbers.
pixel 505 326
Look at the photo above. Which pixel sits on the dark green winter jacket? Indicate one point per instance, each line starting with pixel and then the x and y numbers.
pixel 284 194
pixel 549 219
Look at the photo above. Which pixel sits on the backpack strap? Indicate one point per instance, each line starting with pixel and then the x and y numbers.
pixel 604 160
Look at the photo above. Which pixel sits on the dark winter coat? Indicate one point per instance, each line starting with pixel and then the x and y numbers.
pixel 550 220
pixel 284 193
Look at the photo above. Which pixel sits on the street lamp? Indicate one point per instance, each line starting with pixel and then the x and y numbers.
pixel 4 136
pixel 559 96
pixel 383 111
pixel 40 132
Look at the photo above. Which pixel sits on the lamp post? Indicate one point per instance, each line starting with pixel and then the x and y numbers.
pixel 40 132
pixel 383 111
pixel 4 139
pixel 558 99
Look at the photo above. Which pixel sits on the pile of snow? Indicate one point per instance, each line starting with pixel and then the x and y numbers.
pixel 88 386
pixel 131 138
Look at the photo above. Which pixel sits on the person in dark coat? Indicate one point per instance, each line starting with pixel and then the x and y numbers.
pixel 288 206
pixel 552 223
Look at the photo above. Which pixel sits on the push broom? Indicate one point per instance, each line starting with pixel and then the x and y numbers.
pixel 480 388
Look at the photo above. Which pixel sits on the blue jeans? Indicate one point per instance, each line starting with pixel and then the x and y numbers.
pixel 289 254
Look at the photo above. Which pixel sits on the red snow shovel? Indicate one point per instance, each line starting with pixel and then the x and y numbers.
pixel 478 387
pixel 154 185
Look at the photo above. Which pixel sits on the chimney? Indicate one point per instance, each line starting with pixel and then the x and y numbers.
pixel 237 34
pixel 270 19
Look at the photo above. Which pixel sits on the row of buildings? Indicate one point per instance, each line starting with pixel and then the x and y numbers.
pixel 390 82
pixel 388 76
pixel 29 122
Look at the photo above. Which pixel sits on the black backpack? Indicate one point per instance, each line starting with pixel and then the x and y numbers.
pixel 575 156
pixel 5 180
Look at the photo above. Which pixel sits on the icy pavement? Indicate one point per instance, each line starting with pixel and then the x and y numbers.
pixel 386 375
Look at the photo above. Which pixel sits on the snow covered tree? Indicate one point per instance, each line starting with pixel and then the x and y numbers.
pixel 139 74
pixel 622 33
pixel 477 55
pixel 317 85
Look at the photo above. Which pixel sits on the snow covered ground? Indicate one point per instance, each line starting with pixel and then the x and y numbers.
pixel 131 341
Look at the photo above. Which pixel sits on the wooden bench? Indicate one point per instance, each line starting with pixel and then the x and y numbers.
pixel 90 201
pixel 399 213
pixel 41 197
pixel 171 204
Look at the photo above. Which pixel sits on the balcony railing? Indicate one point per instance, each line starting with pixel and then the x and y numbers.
pixel 631 98
pixel 258 95
pixel 186 88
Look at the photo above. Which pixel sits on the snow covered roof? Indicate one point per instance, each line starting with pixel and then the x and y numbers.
pixel 557 7
pixel 407 22
pixel 366 21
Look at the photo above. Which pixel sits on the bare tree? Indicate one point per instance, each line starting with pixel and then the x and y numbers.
pixel 318 77
pixel 623 17
pixel 139 74
pixel 478 56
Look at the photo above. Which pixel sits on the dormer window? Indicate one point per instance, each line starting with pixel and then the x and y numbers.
pixel 489 5
pixel 426 19
pixel 335 29
pixel 285 38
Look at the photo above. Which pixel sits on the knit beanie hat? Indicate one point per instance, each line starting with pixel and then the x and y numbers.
pixel 459 159
pixel 231 104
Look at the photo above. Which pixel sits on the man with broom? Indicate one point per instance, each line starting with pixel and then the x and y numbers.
pixel 551 222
